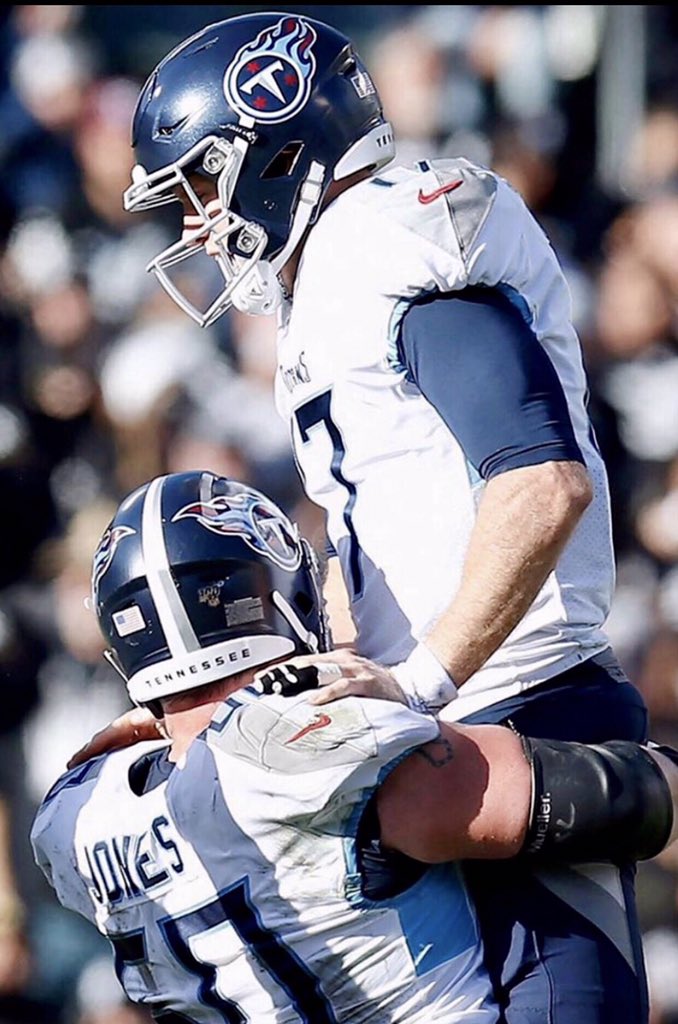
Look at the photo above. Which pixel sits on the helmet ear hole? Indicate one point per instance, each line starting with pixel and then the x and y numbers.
pixel 284 162
pixel 346 62
pixel 303 603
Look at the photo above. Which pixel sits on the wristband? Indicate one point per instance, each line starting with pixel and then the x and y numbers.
pixel 424 681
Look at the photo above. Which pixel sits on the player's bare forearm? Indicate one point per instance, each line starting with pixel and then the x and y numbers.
pixel 525 518
pixel 132 726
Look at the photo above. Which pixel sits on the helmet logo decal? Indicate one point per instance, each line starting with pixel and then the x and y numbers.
pixel 211 595
pixel 103 556
pixel 261 525
pixel 270 79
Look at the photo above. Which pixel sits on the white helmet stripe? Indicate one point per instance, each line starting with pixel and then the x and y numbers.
pixel 176 625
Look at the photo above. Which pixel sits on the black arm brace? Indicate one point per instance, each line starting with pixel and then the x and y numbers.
pixel 608 801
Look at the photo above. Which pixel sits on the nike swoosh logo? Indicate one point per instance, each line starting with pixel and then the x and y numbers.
pixel 450 187
pixel 562 823
pixel 319 723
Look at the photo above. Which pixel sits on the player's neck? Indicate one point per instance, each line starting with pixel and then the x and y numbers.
pixel 182 726
pixel 186 715
pixel 288 274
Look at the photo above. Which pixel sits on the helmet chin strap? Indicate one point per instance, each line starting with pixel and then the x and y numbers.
pixel 261 291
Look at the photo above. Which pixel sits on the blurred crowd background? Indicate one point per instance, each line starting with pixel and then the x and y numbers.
pixel 104 382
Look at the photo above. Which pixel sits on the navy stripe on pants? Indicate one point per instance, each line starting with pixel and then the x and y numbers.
pixel 563 945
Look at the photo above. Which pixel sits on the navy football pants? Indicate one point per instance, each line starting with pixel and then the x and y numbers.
pixel 563 945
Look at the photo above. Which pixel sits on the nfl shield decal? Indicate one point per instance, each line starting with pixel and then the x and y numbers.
pixel 271 78
pixel 261 526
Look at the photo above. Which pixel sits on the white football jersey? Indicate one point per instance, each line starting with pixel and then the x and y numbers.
pixel 399 492
pixel 229 888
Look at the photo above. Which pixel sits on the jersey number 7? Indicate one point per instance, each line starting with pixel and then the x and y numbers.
pixel 309 416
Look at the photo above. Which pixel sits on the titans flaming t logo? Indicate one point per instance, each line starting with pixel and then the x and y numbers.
pixel 262 527
pixel 270 79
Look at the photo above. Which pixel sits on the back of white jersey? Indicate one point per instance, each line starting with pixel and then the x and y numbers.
pixel 230 891
pixel 399 490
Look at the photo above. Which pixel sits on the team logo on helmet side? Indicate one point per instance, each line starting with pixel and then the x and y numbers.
pixel 270 79
pixel 261 525
pixel 103 556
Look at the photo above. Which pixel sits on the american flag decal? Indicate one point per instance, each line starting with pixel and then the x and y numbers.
pixel 129 620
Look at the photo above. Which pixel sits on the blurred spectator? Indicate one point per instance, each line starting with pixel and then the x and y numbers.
pixel 657 677
pixel 656 240
pixel 653 160
pixel 27 512
pixel 78 693
pixel 228 414
pixel 79 690
pixel 111 249
pixel 661 957
pixel 632 353
pixel 15 960
pixel 657 520
pixel 145 367
pixel 58 346
pixel 633 613
pixel 50 66
pixel 74 280
pixel 408 66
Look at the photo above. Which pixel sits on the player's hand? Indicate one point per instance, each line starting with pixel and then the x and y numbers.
pixel 341 673
pixel 131 727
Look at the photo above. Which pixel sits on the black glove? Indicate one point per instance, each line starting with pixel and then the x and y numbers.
pixel 288 681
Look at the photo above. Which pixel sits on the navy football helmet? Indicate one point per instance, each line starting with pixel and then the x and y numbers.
pixel 198 577
pixel 272 108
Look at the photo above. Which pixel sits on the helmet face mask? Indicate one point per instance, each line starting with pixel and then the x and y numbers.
pixel 199 577
pixel 236 245
pixel 274 107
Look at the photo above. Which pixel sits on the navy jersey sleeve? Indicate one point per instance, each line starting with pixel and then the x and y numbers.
pixel 476 360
